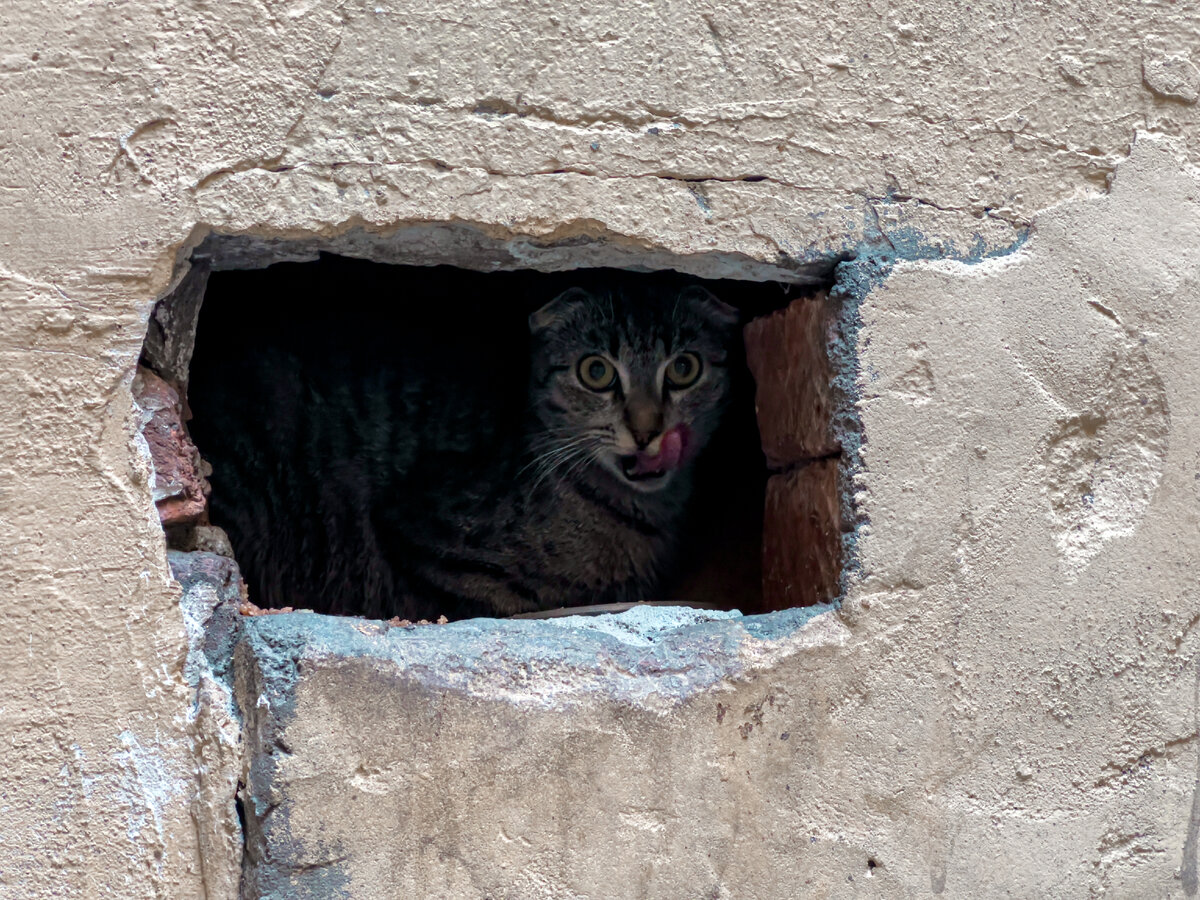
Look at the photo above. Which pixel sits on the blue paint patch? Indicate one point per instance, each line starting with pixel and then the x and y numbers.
pixel 661 655
pixel 211 586
pixel 869 261
pixel 306 881
pixel 642 626
pixel 701 200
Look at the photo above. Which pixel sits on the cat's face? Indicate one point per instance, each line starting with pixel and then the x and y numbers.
pixel 632 381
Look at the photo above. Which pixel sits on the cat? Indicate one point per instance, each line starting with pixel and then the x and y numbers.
pixel 417 473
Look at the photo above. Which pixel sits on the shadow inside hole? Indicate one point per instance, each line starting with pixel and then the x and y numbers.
pixel 351 314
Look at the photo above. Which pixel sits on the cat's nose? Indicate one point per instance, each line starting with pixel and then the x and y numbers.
pixel 645 421
pixel 643 438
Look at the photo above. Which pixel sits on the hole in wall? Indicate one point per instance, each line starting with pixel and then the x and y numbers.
pixel 335 404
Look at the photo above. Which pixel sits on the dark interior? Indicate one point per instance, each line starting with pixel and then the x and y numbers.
pixel 481 319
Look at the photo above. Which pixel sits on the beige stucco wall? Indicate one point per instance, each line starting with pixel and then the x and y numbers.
pixel 1007 700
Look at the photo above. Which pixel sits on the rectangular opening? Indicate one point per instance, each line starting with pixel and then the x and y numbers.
pixel 365 444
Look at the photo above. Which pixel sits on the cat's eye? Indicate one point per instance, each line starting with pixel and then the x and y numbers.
pixel 683 370
pixel 597 373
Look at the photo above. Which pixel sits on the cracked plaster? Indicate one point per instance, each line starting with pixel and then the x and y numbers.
pixel 1003 703
pixel 1003 716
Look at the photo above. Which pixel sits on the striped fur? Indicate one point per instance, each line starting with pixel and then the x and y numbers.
pixel 424 473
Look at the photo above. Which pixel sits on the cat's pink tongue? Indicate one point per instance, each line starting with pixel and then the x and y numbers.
pixel 670 453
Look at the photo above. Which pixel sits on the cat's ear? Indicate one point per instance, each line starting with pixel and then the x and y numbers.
pixel 557 309
pixel 705 302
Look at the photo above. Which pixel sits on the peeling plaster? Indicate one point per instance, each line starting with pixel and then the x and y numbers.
pixel 997 661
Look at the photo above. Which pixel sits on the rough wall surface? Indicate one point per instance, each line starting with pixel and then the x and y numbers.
pixel 1012 704
pixel 1004 704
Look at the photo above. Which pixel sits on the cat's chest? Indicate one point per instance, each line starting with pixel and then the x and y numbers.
pixel 594 544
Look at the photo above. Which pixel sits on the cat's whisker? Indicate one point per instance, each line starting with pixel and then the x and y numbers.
pixel 553 453
pixel 574 429
pixel 558 455
pixel 552 445
pixel 580 454
pixel 549 469
pixel 584 459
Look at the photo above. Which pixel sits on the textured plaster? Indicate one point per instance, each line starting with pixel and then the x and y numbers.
pixel 1012 705
pixel 292 668
pixel 1004 703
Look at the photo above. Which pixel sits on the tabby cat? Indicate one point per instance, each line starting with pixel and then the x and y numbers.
pixel 407 475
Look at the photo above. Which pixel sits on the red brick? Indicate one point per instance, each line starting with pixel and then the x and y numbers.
pixel 802 544
pixel 180 489
pixel 787 353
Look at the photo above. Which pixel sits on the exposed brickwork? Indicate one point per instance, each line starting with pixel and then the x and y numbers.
pixel 180 489
pixel 787 355
pixel 802 537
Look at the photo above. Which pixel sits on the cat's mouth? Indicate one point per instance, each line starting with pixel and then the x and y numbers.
pixel 635 467
pixel 653 465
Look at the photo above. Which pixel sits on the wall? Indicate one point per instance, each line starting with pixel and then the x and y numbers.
pixel 1006 700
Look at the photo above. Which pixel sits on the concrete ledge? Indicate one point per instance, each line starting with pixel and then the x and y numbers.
pixel 654 657
pixel 368 702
